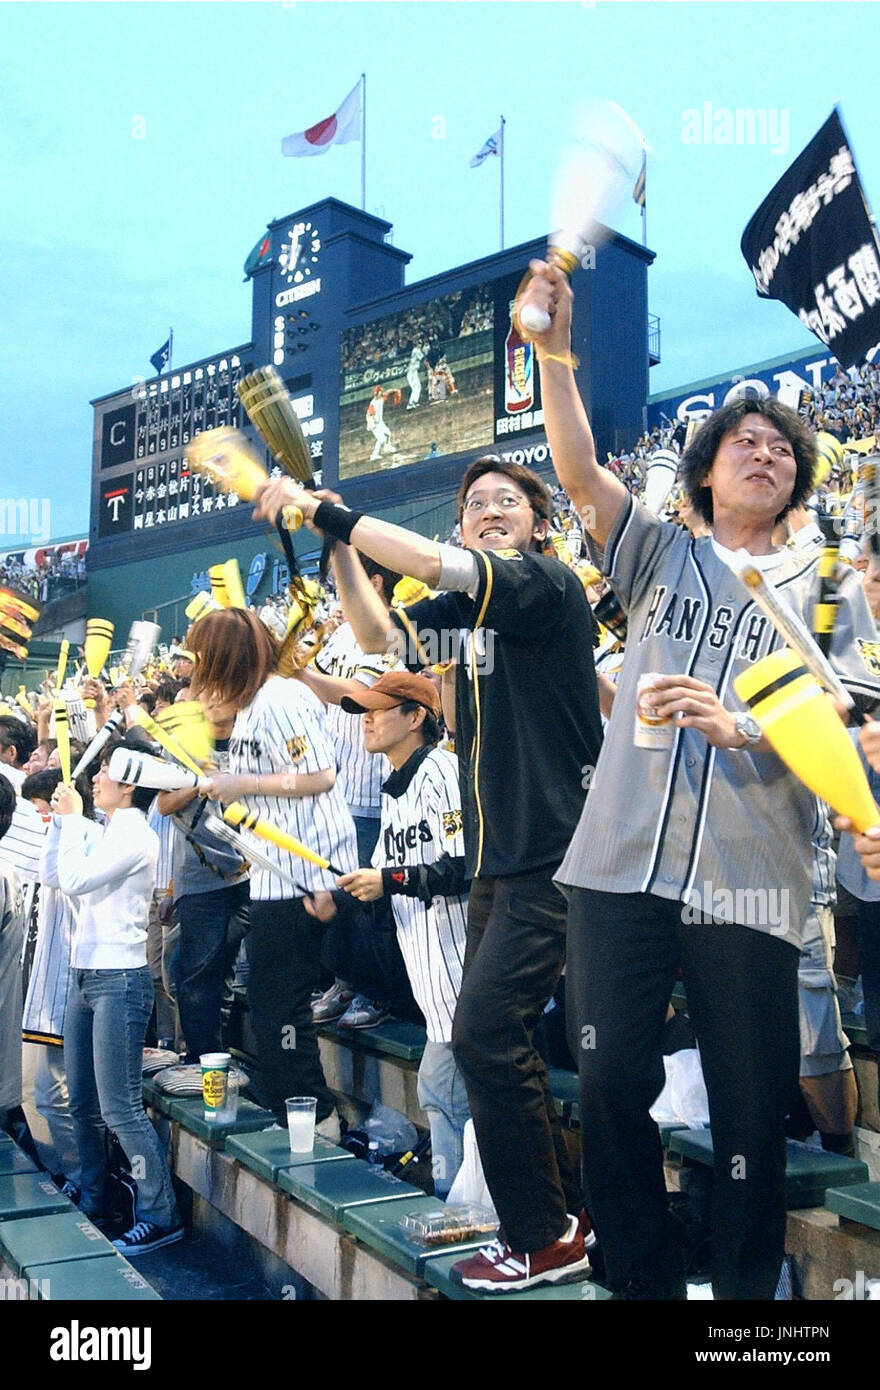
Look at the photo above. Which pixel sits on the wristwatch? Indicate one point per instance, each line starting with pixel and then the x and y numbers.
pixel 748 729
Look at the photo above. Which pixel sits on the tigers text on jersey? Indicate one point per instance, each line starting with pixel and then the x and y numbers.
pixel 418 825
pixel 683 822
pixel 361 774
pixel 283 729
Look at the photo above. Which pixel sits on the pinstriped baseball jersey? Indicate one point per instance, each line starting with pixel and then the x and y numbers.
pixel 684 821
pixel 418 826
pixel 166 831
pixel 283 729
pixel 46 999
pixel 23 842
pixel 360 773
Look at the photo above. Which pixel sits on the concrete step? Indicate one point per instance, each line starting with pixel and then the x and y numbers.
pixel 860 1202
pixel 808 1172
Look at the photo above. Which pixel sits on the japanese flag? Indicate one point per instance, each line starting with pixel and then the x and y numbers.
pixel 339 129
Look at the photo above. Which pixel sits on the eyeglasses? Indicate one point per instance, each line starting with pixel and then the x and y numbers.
pixel 507 501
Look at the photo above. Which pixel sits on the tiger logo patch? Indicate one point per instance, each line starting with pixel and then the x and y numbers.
pixel 870 654
pixel 452 824
pixel 297 747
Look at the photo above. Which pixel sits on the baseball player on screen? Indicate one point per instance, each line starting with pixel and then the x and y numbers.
pixel 375 421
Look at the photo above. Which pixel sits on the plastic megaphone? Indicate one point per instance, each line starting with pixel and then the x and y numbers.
pixel 142 770
pixel 804 728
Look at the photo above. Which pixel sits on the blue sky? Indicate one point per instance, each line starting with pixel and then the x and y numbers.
pixel 107 239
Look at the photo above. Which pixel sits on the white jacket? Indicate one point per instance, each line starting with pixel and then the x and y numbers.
pixel 111 874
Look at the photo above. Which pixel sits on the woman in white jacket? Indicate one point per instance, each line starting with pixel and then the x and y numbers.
pixel 110 874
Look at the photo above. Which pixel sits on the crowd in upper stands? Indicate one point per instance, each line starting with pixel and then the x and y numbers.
pixel 431 325
pixel 55 575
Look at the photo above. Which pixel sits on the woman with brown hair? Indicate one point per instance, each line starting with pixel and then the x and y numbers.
pixel 281 764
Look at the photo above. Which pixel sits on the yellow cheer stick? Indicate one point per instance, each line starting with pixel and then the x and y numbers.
pixel 226 585
pixel 185 721
pixel 237 814
pixel 200 606
pixel 408 590
pixel 226 458
pixel 804 728
pixel 96 648
pixel 62 663
pixel 62 739
pixel 168 742
pixel 829 454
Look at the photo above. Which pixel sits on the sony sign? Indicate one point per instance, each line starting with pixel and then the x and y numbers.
pixel 787 387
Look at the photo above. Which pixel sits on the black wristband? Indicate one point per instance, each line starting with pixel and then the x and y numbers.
pixel 335 521
pixel 395 880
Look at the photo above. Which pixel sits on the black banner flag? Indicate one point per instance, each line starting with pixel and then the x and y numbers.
pixel 812 245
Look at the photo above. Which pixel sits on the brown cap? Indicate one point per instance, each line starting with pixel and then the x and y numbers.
pixel 391 690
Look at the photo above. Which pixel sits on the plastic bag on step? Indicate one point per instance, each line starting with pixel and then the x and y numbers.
pixel 683 1099
pixel 392 1131
pixel 469 1184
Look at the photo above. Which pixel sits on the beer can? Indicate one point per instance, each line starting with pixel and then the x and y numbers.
pixel 651 731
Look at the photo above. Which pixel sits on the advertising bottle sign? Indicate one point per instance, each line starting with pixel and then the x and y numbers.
pixel 518 371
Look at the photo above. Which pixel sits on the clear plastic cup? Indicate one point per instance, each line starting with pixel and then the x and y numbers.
pixel 301 1123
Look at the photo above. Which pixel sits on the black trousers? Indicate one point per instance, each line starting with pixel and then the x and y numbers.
pixel 741 984
pixel 283 950
pixel 513 959
pixel 212 927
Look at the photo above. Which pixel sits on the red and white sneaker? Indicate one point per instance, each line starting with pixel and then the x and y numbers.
pixel 586 1225
pixel 498 1269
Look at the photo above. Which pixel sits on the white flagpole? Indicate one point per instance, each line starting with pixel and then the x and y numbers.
pixel 170 346
pixel 363 142
pixel 502 182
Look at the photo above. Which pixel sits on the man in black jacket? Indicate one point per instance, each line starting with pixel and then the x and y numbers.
pixel 528 731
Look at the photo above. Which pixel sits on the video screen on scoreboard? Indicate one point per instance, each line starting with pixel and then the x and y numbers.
pixel 439 378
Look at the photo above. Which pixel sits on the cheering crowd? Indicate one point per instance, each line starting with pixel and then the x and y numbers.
pixel 456 747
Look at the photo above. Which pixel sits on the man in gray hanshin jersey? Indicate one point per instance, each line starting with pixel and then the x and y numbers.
pixel 696 855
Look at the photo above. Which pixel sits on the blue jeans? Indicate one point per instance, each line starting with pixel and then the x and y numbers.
pixel 104 1030
pixel 443 1097
pixel 212 926
pixel 869 967
pixel 367 831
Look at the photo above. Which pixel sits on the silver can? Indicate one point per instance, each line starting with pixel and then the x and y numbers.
pixel 650 731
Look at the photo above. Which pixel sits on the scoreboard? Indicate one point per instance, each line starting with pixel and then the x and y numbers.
pixel 151 431
pixel 396 387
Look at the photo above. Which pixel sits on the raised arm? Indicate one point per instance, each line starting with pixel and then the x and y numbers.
pixel 362 606
pixel 597 495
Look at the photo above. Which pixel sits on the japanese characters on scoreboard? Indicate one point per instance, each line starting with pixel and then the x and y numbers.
pixel 151 427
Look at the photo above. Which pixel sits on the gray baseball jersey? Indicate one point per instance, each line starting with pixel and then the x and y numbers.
pixel 727 832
